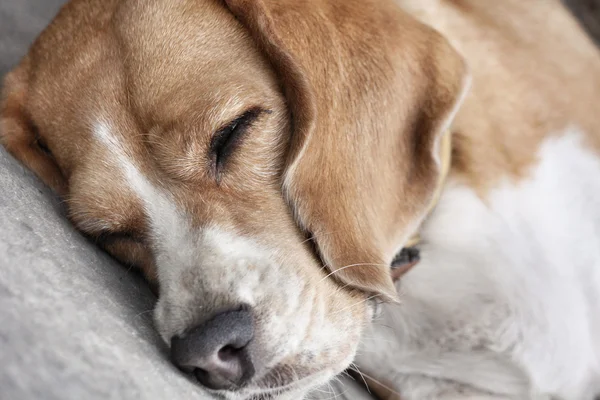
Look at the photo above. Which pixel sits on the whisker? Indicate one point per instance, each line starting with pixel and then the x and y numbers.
pixel 312 237
pixel 354 367
pixel 334 393
pixel 376 381
pixel 356 304
pixel 352 265
pixel 378 339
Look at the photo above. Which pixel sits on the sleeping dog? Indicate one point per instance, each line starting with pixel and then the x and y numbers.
pixel 263 161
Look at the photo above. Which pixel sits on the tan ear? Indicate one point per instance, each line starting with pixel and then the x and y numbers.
pixel 370 91
pixel 18 133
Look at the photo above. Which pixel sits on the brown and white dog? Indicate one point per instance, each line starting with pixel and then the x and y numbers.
pixel 263 161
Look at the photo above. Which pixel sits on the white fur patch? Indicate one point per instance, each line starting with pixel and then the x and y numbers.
pixel 170 229
pixel 506 299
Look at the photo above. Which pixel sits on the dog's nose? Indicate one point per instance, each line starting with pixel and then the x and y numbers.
pixel 217 350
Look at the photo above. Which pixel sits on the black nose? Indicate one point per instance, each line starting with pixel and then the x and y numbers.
pixel 216 351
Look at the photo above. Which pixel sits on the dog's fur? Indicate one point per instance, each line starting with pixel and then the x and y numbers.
pixel 117 105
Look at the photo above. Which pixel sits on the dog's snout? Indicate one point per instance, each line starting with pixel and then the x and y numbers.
pixel 217 350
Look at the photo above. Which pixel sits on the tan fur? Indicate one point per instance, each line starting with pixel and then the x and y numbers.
pixel 534 70
pixel 340 119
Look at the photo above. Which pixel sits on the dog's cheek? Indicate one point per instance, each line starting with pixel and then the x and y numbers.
pixel 170 319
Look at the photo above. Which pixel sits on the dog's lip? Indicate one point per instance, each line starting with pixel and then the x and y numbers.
pixel 271 393
pixel 288 387
pixel 258 393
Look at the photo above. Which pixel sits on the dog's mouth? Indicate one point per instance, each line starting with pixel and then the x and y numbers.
pixel 280 381
pixel 284 378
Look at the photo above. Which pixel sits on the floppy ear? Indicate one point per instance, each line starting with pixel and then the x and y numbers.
pixel 18 133
pixel 371 91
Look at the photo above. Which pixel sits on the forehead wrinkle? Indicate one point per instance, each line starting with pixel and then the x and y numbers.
pixel 168 223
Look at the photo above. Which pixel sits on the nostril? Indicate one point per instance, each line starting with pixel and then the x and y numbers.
pixel 228 352
pixel 223 370
pixel 216 351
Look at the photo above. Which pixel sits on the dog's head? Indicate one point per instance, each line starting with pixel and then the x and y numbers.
pixel 261 160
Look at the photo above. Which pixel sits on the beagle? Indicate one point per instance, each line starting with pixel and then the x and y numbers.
pixel 263 161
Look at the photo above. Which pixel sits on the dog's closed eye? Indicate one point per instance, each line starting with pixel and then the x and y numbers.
pixel 228 138
pixel 130 248
pixel 109 237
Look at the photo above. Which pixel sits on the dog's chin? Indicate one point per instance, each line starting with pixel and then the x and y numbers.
pixel 294 389
pixel 274 394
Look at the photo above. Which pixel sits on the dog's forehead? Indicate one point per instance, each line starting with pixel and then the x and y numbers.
pixel 186 54
pixel 178 70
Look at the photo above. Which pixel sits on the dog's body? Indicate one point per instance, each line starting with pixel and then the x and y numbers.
pixel 345 102
pixel 505 303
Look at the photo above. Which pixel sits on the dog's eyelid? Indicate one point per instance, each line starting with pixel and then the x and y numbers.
pixel 104 237
pixel 38 140
pixel 227 138
pixel 244 118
